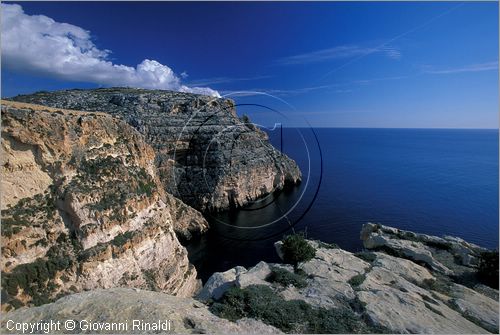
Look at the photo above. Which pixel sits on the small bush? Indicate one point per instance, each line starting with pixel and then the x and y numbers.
pixel 440 245
pixel 296 249
pixel 487 271
pixel 245 119
pixel 357 280
pixel 36 278
pixel 232 305
pixel 286 278
pixel 122 238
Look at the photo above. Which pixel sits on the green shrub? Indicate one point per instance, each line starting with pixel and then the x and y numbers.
pixel 487 271
pixel 232 305
pixel 149 277
pixel 16 303
pixel 357 280
pixel 146 184
pixel 296 316
pixel 35 278
pixel 122 238
pixel 296 249
pixel 286 278
pixel 244 118
pixel 447 246
pixel 27 211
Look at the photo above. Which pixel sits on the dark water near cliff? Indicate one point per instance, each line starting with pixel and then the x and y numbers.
pixel 433 181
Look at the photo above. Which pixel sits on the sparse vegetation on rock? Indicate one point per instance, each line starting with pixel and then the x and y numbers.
pixel 345 290
pixel 286 278
pixel 487 270
pixel 357 280
pixel 293 316
pixel 296 249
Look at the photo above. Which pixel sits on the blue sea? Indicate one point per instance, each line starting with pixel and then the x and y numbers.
pixel 432 181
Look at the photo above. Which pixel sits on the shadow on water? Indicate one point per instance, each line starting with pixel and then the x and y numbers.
pixel 238 237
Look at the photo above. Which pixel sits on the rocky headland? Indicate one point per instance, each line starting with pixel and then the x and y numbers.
pixel 205 155
pixel 334 291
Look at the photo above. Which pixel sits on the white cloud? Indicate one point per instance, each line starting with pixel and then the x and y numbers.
pixel 38 44
pixel 339 52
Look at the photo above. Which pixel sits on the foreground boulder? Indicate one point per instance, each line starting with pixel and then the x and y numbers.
pixel 384 292
pixel 112 311
pixel 448 255
pixel 205 154
pixel 83 208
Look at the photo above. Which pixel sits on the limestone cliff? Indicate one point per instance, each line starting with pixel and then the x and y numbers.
pixel 206 155
pixel 83 208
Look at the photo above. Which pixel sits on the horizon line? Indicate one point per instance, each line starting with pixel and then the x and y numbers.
pixel 409 128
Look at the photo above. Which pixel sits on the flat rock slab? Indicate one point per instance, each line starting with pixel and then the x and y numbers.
pixel 391 292
pixel 122 306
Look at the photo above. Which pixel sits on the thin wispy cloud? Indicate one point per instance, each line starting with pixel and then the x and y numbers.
pixel 225 80
pixel 338 88
pixel 39 44
pixel 285 92
pixel 339 52
pixel 480 67
pixel 301 90
pixel 374 80
pixel 392 40
pixel 333 112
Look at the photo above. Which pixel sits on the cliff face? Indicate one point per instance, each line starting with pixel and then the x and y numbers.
pixel 83 208
pixel 205 154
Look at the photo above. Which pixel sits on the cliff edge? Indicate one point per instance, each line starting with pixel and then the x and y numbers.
pixel 205 154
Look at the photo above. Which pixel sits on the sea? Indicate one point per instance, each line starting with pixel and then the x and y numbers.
pixel 432 181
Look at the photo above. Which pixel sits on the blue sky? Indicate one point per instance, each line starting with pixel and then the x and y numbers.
pixel 386 64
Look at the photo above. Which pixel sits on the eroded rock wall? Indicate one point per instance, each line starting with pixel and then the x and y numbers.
pixel 83 208
pixel 205 154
